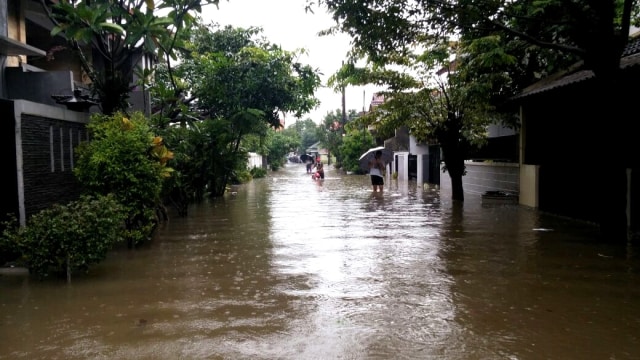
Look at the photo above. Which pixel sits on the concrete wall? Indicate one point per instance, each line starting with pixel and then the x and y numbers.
pixel 483 177
pixel 401 165
pixel 255 160
pixel 38 86
pixel 529 177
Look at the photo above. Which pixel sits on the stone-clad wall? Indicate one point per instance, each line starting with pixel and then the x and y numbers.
pixel 48 147
pixel 45 141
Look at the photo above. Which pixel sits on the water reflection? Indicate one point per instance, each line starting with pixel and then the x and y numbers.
pixel 291 268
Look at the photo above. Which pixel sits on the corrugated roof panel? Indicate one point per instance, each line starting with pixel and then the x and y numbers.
pixel 631 59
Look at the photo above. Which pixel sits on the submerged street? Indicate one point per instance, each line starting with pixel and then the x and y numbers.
pixel 291 268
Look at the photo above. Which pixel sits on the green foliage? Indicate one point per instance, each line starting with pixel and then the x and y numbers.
pixel 591 29
pixel 231 73
pixel 258 172
pixel 241 177
pixel 192 147
pixel 331 131
pixel 355 143
pixel 9 250
pixel 255 143
pixel 240 85
pixel 306 133
pixel 124 158
pixel 67 238
pixel 280 144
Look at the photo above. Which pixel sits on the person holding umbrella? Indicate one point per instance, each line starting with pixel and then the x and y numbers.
pixel 376 171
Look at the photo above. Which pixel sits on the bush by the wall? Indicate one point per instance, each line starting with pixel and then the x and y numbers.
pixel 125 158
pixel 258 172
pixel 67 238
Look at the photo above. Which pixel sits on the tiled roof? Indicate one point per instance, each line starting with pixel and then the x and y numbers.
pixel 377 99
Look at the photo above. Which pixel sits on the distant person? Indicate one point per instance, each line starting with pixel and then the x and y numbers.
pixel 376 171
pixel 319 170
pixel 309 163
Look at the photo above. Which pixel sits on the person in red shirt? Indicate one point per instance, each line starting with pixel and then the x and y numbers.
pixel 319 174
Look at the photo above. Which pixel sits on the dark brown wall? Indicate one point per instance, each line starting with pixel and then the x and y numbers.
pixel 566 137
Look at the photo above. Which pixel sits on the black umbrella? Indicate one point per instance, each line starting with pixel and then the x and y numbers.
pixel 305 157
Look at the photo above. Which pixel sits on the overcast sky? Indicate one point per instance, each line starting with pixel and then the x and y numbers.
pixel 286 23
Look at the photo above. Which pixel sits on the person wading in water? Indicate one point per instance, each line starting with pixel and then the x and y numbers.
pixel 376 171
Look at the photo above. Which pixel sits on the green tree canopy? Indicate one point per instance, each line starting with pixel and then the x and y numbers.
pixel 229 88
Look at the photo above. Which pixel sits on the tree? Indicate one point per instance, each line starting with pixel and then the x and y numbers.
pixel 293 139
pixel 239 85
pixel 594 31
pixel 231 70
pixel 280 144
pixel 111 37
pixel 356 141
pixel 331 132
pixel 307 132
pixel 440 95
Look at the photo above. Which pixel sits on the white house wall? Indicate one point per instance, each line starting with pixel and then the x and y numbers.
pixel 402 161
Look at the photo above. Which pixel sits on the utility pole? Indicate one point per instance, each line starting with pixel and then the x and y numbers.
pixel 344 108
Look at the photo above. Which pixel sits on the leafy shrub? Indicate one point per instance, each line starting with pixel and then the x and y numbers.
pixel 258 172
pixel 354 144
pixel 66 238
pixel 241 177
pixel 9 251
pixel 124 158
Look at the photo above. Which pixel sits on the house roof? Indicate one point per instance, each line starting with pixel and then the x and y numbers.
pixel 313 147
pixel 576 74
pixel 376 100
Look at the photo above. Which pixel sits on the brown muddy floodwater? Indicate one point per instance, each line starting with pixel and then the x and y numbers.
pixel 289 268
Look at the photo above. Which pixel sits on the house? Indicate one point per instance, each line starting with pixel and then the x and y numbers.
pixel 565 154
pixel 412 160
pixel 317 151
pixel 562 159
pixel 44 112
pixel 38 134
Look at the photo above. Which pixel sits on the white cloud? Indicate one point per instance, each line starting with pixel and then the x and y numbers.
pixel 285 22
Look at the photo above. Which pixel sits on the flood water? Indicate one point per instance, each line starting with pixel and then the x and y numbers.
pixel 290 268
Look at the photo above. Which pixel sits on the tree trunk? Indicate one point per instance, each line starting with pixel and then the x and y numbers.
pixel 68 268
pixel 454 162
pixel 457 191
pixel 604 51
